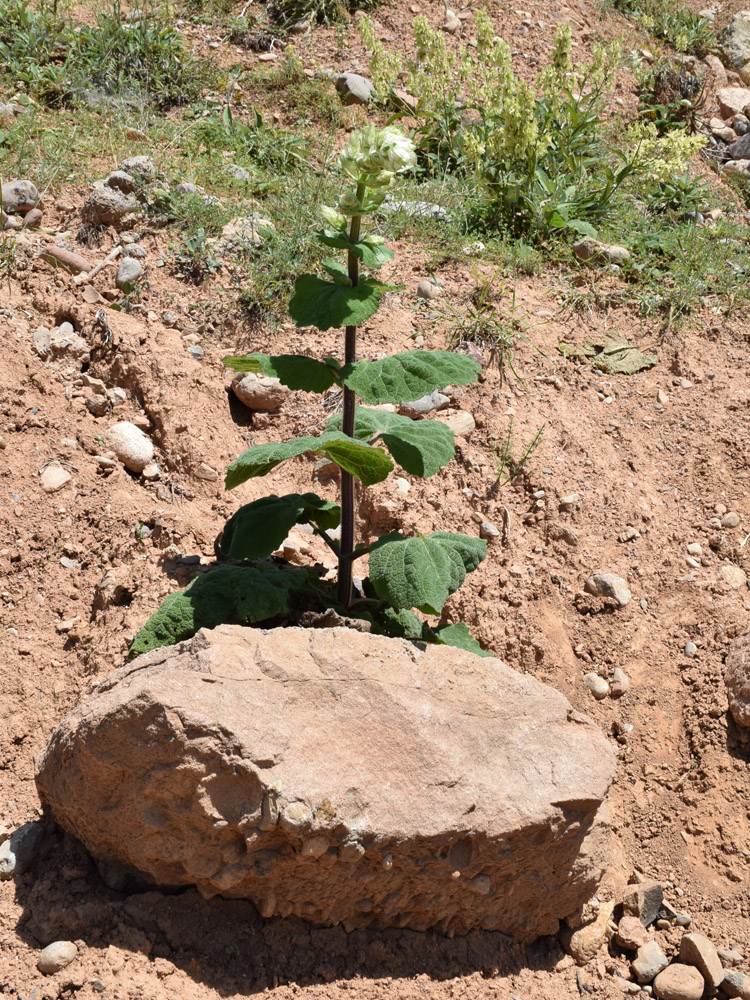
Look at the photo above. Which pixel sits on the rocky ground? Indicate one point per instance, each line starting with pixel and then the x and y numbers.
pixel 641 476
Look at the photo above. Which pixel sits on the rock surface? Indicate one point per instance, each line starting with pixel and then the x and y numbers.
pixel 130 444
pixel 17 853
pixel 732 100
pixel 354 89
pixel 649 961
pixel 643 900
pixel 737 680
pixel 341 777
pixel 736 985
pixel 608 585
pixel 259 392
pixel 108 206
pixel 56 956
pixel 679 982
pixel 735 44
pixel 19 196
pixel 697 950
pixel 585 942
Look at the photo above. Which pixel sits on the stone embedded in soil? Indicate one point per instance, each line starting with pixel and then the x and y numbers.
pixel 736 985
pixel 608 585
pixel 19 196
pixel 130 444
pixel 649 961
pixel 56 956
pixel 354 89
pixel 424 405
pixel 33 219
pixel 18 852
pixel 259 392
pixel 66 259
pixel 593 251
pixel 730 957
pixel 732 576
pixel 139 166
pixel 62 344
pixel 107 206
pixel 596 685
pixel 584 943
pixel 631 933
pixel 679 982
pixel 54 477
pixel 341 777
pixel 732 100
pixel 461 423
pixel 620 683
pixel 643 900
pixel 740 150
pixel 697 950
pixel 122 180
pixel 429 290
pixel 128 272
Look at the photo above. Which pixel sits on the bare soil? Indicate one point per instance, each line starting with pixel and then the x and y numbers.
pixel 77 581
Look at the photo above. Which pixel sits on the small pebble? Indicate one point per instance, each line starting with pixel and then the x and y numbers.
pixel 596 685
pixel 730 520
pixel 197 352
pixel 56 956
pixel 690 649
pixel 487 530
pixel 620 683
pixel 695 549
pixel 428 290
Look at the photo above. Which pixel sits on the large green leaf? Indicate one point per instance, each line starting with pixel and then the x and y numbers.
pixel 423 572
pixel 408 376
pixel 228 595
pixel 327 304
pixel 295 371
pixel 420 447
pixel 370 465
pixel 258 528
pixel 370 253
pixel 459 636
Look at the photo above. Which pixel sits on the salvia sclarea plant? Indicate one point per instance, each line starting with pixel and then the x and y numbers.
pixel 406 573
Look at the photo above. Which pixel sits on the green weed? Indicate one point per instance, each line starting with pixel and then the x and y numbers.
pixel 671 20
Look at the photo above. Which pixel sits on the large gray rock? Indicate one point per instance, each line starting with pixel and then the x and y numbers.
pixel 740 150
pixel 341 777
pixel 108 206
pixel 19 196
pixel 354 89
pixel 735 44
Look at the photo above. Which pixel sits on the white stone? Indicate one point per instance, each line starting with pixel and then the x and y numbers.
pixel 130 444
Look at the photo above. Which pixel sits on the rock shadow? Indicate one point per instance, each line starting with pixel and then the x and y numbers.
pixel 226 945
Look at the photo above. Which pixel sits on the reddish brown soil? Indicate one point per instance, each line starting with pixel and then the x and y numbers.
pixel 679 803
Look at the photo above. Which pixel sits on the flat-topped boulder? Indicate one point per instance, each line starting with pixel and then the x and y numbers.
pixel 342 777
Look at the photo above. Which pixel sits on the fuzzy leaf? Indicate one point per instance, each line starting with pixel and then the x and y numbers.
pixel 371 254
pixel 423 572
pixel 295 371
pixel 258 528
pixel 459 636
pixel 370 465
pixel 398 624
pixel 420 447
pixel 228 595
pixel 326 304
pixel 408 376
